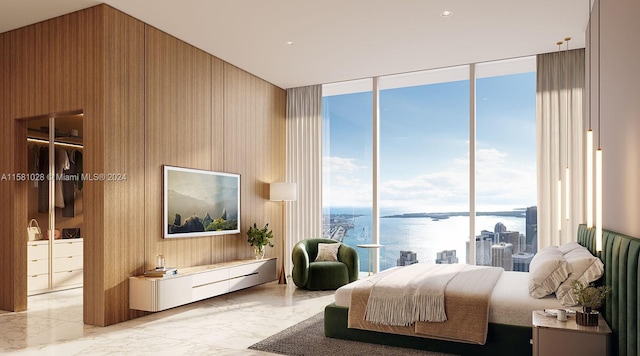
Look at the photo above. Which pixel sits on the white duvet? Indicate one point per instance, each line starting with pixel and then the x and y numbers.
pixel 510 303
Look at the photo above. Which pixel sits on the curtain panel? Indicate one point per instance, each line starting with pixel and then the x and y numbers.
pixel 304 165
pixel 560 144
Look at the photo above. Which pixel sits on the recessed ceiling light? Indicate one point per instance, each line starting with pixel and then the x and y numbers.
pixel 289 43
pixel 446 13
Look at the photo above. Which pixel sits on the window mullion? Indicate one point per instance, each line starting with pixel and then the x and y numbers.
pixel 472 164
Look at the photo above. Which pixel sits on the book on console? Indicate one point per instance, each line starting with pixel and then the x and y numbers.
pixel 161 272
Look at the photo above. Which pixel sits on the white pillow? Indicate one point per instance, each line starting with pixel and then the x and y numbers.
pixel 585 267
pixel 570 246
pixel 328 252
pixel 548 269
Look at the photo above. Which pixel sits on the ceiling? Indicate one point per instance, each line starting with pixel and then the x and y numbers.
pixel 337 40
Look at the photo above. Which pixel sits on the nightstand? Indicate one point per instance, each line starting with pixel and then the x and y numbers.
pixel 565 338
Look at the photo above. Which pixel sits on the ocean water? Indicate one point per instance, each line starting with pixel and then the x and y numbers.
pixel 424 236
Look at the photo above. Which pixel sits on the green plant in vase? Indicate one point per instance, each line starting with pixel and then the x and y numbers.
pixel 591 299
pixel 259 239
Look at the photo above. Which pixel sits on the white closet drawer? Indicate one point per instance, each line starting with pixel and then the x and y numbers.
pixel 37 267
pixel 64 248
pixel 67 278
pixel 37 282
pixel 37 250
pixel 69 263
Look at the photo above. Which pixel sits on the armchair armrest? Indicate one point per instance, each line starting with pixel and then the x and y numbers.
pixel 300 259
pixel 349 256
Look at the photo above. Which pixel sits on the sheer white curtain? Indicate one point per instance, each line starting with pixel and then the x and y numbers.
pixel 560 143
pixel 304 165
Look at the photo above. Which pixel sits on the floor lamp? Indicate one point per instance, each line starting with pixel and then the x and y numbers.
pixel 283 192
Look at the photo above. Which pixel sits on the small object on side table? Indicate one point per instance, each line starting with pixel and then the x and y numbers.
pixel 567 338
pixel 587 318
pixel 160 262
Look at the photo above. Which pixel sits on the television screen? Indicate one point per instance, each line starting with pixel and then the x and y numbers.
pixel 200 203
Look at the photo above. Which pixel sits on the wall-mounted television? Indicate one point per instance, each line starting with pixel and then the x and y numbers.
pixel 200 203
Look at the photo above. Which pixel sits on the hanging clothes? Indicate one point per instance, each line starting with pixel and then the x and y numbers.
pixel 69 185
pixel 77 158
pixel 34 157
pixel 62 163
pixel 43 187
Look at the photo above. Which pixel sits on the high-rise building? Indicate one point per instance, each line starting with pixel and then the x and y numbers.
pixel 502 256
pixel 521 261
pixel 407 258
pixel 486 234
pixel 511 237
pixel 483 249
pixel 532 229
pixel 447 256
pixel 499 228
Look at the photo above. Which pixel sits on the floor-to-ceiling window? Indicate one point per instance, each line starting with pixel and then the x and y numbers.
pixel 425 150
pixel 424 167
pixel 505 187
pixel 347 170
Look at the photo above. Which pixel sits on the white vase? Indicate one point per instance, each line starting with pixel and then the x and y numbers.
pixel 259 252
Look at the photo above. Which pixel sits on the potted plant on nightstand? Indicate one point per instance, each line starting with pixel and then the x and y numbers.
pixel 591 298
pixel 259 239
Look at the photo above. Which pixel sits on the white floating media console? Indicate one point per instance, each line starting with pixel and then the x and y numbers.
pixel 196 283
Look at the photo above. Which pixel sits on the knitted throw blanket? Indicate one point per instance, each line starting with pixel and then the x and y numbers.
pixel 410 294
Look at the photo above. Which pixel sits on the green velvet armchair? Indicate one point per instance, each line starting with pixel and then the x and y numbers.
pixel 323 275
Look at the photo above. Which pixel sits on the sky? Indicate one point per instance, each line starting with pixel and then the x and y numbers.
pixel 424 147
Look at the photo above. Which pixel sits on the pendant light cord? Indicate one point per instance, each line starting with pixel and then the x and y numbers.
pixel 599 76
pixel 559 43
pixel 569 94
pixel 590 59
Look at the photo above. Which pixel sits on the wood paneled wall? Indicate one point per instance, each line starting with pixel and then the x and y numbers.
pixel 119 244
pixel 53 66
pixel 179 132
pixel 149 99
pixel 7 252
pixel 250 124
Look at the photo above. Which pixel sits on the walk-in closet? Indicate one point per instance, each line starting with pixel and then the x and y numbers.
pixel 55 204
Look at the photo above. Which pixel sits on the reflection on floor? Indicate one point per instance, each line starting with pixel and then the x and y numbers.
pixel 225 325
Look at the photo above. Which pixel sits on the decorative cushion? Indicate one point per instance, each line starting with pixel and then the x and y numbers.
pixel 328 252
pixel 569 246
pixel 548 269
pixel 585 267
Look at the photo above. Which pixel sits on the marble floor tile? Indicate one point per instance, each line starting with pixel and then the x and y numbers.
pixel 224 325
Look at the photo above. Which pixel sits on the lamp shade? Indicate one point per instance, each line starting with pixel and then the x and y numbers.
pixel 283 191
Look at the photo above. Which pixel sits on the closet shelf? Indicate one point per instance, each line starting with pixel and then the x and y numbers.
pixel 60 138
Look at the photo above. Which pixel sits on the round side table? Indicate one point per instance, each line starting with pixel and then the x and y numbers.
pixel 370 248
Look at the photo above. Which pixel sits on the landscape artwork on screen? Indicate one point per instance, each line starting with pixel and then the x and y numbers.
pixel 200 203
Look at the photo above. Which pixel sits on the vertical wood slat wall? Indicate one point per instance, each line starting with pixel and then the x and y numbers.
pixel 124 202
pixel 8 252
pixel 149 99
pixel 250 124
pixel 50 67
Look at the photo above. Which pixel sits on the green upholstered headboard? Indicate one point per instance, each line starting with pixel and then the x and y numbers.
pixel 621 271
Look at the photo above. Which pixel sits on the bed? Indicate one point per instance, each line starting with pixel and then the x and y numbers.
pixel 509 322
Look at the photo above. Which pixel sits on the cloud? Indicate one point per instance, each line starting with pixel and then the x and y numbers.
pixel 340 164
pixel 503 182
pixel 350 182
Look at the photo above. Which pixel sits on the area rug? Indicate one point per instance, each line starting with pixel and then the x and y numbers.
pixel 307 339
